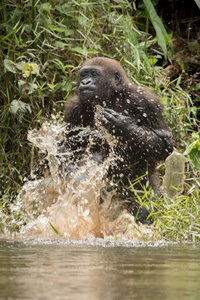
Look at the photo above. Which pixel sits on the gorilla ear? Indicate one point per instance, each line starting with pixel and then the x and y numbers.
pixel 117 78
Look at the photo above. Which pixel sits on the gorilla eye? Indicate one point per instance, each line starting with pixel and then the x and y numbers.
pixel 94 73
pixel 117 78
pixel 84 74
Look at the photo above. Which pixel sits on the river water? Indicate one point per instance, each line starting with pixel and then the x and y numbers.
pixel 96 269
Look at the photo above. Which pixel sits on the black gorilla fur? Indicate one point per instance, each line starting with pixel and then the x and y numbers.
pixel 131 113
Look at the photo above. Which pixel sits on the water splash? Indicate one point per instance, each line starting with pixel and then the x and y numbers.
pixel 71 200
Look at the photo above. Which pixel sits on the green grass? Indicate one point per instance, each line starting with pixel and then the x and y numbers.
pixel 176 219
pixel 42 46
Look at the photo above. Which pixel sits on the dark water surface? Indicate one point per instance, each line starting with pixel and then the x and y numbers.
pixel 63 270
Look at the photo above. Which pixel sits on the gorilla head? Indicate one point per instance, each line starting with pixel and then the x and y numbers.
pixel 99 79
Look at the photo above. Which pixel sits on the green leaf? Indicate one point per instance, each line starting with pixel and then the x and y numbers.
pixel 35 68
pixel 15 105
pixel 197 87
pixel 161 33
pixel 66 86
pixel 32 87
pixel 193 150
pixel 56 231
pixel 191 147
pixel 25 68
pixel 153 61
pixel 198 3
pixel 59 44
pixel 30 69
pixel 20 65
pixel 80 50
pixel 134 41
pixel 45 7
pixel 9 65
pixel 82 20
pixel 19 105
pixel 38 115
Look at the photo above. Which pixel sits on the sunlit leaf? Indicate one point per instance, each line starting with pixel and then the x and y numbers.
pixel 28 69
pixel 25 68
pixel 35 68
pixel 153 61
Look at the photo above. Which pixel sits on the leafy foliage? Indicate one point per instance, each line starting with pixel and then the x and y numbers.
pixel 161 33
pixel 193 150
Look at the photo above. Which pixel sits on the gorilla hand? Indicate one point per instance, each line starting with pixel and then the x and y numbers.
pixel 117 124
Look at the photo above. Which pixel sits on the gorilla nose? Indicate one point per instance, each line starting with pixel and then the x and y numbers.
pixel 86 81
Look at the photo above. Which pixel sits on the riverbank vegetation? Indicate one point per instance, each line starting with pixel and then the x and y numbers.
pixel 43 43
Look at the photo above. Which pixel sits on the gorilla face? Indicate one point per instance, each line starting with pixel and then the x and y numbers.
pixel 94 85
pixel 89 83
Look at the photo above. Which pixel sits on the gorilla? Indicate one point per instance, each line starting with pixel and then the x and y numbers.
pixel 132 114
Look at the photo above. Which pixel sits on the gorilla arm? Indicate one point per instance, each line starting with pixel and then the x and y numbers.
pixel 155 143
pixel 77 114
